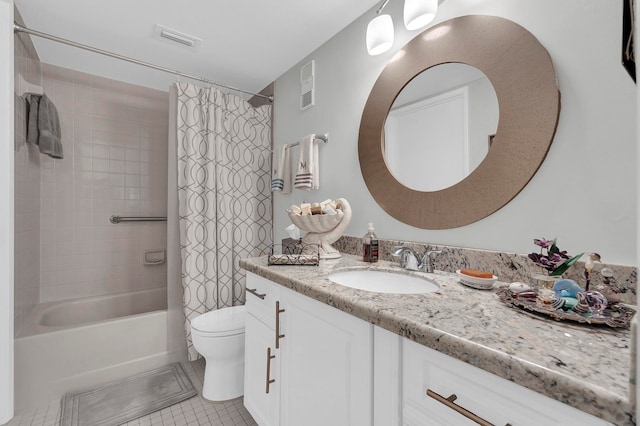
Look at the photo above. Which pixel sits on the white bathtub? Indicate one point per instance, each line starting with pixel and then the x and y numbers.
pixel 52 316
pixel 77 344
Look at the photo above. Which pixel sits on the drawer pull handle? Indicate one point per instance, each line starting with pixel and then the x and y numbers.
pixel 278 335
pixel 255 293
pixel 269 379
pixel 449 403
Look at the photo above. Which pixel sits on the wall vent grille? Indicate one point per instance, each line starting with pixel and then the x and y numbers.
pixel 307 85
pixel 185 40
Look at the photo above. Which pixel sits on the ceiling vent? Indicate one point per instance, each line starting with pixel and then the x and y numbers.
pixel 186 40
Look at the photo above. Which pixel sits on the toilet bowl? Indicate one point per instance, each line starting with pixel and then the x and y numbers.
pixel 219 337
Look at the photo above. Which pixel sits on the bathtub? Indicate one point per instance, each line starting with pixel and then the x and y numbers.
pixel 81 343
pixel 64 314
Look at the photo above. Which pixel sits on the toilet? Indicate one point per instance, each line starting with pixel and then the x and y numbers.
pixel 219 337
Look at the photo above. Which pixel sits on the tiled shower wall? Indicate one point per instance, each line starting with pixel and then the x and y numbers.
pixel 114 137
pixel 26 188
pixel 115 162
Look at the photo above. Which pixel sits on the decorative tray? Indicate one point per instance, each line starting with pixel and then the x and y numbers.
pixel 296 254
pixel 614 315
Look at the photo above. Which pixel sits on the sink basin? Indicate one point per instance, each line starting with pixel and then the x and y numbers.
pixel 383 281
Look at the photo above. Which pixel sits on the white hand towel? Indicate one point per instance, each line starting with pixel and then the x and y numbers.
pixel 281 170
pixel 307 173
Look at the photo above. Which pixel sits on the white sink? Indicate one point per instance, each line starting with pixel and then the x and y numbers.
pixel 383 281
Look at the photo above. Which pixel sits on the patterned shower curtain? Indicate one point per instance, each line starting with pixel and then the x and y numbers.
pixel 224 198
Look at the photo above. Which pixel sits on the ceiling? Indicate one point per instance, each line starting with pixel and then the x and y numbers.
pixel 246 43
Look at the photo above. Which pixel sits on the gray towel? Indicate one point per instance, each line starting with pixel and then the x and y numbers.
pixel 33 101
pixel 44 125
pixel 49 128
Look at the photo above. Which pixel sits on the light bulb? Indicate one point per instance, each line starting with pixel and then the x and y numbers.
pixel 379 35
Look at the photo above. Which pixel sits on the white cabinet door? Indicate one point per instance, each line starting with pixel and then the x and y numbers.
pixel 261 383
pixel 325 366
pixel 387 378
pixel 261 361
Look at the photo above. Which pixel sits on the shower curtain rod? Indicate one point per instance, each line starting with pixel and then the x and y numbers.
pixel 19 28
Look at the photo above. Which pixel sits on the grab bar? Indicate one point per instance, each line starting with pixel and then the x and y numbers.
pixel 115 219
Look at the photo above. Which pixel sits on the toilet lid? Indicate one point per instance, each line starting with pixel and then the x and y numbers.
pixel 225 320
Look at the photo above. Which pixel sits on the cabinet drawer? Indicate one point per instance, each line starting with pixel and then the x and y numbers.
pixel 486 395
pixel 261 299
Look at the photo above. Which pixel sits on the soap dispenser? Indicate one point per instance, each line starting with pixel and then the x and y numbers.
pixel 370 245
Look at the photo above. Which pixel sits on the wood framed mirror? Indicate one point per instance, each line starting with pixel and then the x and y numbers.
pixel 522 74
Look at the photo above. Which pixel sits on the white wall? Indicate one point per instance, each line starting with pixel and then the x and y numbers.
pixel 6 211
pixel 584 193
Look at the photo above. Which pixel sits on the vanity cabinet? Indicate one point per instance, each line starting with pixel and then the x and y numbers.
pixel 485 395
pixel 310 364
pixel 319 360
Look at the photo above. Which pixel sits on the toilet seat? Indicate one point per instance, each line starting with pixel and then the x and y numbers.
pixel 222 322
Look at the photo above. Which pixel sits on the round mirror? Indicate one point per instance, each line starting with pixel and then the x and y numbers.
pixel 440 127
pixel 522 74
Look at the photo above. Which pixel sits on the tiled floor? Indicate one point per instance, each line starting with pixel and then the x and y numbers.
pixel 196 411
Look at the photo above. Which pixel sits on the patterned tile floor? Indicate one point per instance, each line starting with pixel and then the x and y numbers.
pixel 196 411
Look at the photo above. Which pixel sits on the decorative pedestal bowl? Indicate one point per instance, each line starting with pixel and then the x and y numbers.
pixel 324 230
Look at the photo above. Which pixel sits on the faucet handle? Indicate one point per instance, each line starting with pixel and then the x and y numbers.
pixel 426 260
pixel 399 254
pixel 397 250
pixel 428 253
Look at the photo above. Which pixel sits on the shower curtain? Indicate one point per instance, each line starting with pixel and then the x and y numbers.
pixel 224 198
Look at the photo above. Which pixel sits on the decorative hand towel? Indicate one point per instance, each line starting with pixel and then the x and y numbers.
pixel 307 174
pixel 281 170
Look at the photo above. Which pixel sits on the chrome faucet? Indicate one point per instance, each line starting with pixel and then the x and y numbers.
pixel 410 259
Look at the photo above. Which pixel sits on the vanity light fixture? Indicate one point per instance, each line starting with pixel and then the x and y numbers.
pixel 380 32
pixel 419 13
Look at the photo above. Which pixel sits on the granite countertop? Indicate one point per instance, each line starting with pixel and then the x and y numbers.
pixel 582 366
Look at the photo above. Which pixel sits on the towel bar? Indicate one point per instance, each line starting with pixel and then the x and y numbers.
pixel 115 219
pixel 324 138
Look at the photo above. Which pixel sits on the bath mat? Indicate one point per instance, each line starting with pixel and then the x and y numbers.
pixel 128 399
